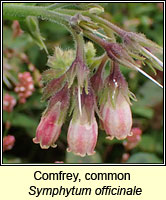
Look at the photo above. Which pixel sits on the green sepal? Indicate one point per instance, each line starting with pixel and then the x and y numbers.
pixel 132 96
pixel 114 91
pixel 61 61
pixel 151 67
pixel 153 62
pixel 48 75
pixel 103 94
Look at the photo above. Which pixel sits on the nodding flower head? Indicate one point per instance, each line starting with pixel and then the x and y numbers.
pixel 83 128
pixel 115 106
pixel 52 120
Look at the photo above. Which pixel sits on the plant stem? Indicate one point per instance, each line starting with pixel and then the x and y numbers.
pixel 95 38
pixel 95 18
pixel 80 47
pixel 102 22
pixel 57 5
pixel 21 12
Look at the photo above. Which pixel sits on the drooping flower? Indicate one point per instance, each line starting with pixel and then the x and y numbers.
pixel 83 128
pixel 52 120
pixel 115 106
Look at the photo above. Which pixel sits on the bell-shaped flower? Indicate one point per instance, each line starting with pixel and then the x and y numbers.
pixel 52 120
pixel 117 121
pixel 115 107
pixel 83 128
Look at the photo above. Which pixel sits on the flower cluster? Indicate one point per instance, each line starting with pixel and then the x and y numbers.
pixel 8 142
pixel 78 84
pixel 8 103
pixel 25 87
pixel 75 90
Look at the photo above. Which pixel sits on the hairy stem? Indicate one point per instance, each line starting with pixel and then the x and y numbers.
pixel 57 5
pixel 21 12
pixel 103 22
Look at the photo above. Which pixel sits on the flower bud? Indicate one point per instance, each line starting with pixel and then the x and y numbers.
pixel 52 120
pixel 119 54
pixel 83 128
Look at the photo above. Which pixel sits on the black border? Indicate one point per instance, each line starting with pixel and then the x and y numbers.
pixel 58 164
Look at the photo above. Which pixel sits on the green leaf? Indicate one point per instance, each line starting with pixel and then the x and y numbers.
pixel 152 142
pixel 22 120
pixel 144 158
pixel 143 111
pixel 149 94
pixel 11 159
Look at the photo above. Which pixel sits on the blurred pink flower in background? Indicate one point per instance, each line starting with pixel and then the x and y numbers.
pixel 8 103
pixel 8 142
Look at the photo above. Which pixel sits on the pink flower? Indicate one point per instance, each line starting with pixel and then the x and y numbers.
pixel 82 136
pixel 49 129
pixel 115 108
pixel 83 128
pixel 8 103
pixel 52 120
pixel 117 121
pixel 8 142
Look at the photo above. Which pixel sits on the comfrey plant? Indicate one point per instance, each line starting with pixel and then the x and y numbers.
pixel 76 82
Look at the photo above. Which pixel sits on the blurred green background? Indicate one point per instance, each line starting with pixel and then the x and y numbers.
pixel 146 18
